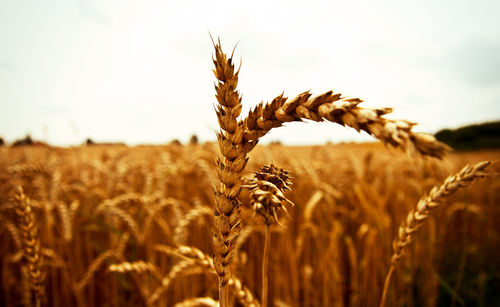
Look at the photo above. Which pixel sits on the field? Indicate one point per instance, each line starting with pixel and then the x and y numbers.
pixel 124 226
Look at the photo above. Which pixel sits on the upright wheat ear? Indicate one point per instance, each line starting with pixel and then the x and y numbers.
pixel 332 107
pixel 229 168
pixel 424 207
pixel 31 242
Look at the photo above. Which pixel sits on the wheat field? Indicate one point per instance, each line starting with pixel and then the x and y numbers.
pixel 111 219
pixel 234 223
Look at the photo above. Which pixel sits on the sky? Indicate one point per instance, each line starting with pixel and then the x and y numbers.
pixel 141 71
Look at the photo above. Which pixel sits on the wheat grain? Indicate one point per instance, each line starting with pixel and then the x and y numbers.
pixel 267 191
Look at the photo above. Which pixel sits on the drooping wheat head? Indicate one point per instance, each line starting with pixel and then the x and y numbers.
pixel 344 111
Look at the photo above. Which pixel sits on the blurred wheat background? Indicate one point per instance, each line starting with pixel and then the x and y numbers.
pixel 110 218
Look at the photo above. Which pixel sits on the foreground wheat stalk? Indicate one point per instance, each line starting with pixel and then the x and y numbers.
pixel 31 243
pixel 267 191
pixel 238 137
pixel 416 217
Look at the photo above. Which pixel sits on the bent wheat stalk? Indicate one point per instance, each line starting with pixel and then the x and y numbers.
pixel 344 111
pixel 416 217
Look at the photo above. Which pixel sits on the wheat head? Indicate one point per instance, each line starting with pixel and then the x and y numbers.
pixel 30 241
pixel 417 216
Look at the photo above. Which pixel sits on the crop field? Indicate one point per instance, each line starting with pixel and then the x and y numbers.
pixel 234 223
pixel 133 226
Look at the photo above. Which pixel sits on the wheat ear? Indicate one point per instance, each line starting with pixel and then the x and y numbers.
pixel 417 216
pixel 229 168
pixel 136 266
pixel 197 302
pixel 31 243
pixel 267 191
pixel 195 257
pixel 344 111
pixel 242 293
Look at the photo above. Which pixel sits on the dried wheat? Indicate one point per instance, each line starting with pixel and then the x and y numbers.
pixel 31 242
pixel 344 111
pixel 416 217
pixel 198 301
pixel 136 266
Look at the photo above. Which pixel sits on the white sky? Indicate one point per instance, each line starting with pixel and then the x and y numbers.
pixel 140 71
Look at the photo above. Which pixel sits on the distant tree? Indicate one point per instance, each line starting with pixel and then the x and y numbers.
pixel 478 136
pixel 175 142
pixel 1 142
pixel 193 140
pixel 26 141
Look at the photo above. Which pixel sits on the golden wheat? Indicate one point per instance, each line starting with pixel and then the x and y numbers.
pixel 31 243
pixel 416 217
pixel 109 219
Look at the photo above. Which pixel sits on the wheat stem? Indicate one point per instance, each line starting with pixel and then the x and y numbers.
pixel 265 260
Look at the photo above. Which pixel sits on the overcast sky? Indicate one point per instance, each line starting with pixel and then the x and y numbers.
pixel 140 71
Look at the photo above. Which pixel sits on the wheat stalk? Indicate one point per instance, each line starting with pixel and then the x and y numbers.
pixel 267 191
pixel 30 242
pixel 417 216
pixel 136 266
pixel 229 168
pixel 238 137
